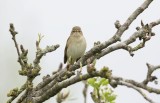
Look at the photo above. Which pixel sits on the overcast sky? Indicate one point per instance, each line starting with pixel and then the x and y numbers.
pixel 55 19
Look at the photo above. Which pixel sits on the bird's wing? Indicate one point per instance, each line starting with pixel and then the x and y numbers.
pixel 65 51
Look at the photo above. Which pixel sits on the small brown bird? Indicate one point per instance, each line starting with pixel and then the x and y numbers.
pixel 75 46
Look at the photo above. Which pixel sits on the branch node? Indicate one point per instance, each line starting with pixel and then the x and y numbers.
pixel 117 24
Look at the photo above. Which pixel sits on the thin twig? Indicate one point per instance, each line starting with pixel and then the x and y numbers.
pixel 13 33
pixel 137 89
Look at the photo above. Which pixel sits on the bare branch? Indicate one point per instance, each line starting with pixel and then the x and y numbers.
pixel 27 69
pixel 137 89
pixel 137 84
pixel 149 77
pixel 155 23
pixel 43 52
pixel 124 45
pixel 13 33
pixel 85 91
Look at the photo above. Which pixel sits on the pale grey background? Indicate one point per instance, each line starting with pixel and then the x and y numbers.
pixel 54 19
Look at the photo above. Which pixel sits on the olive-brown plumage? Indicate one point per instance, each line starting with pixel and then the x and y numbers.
pixel 75 46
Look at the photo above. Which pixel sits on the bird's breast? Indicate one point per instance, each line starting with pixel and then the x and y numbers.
pixel 76 48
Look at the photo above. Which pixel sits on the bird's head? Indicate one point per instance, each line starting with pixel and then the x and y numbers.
pixel 76 29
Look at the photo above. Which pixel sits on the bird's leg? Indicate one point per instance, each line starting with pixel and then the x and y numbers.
pixel 80 71
pixel 69 63
pixel 80 66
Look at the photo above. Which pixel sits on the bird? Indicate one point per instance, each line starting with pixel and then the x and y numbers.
pixel 75 46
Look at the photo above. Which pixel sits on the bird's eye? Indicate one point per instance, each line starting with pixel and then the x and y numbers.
pixel 76 31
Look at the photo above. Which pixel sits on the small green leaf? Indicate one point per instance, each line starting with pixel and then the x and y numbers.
pixel 106 94
pixel 96 85
pixel 105 83
pixel 91 82
pixel 101 80
pixel 111 98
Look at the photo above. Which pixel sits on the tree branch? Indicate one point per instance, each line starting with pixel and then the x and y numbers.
pixel 13 33
pixel 137 89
